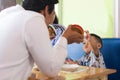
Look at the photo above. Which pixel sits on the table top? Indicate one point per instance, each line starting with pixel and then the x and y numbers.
pixel 85 72
pixel 80 72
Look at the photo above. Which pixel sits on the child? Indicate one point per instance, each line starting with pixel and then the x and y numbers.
pixel 93 57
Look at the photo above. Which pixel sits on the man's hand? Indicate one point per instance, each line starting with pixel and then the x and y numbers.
pixel 72 36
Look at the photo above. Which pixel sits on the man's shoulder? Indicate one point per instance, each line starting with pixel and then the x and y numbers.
pixel 27 15
pixel 30 14
pixel 19 12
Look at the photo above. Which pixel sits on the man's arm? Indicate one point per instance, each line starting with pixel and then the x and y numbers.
pixel 49 59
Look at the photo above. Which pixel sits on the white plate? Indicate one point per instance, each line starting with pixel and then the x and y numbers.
pixel 70 67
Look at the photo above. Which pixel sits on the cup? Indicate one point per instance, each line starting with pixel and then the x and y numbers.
pixel 77 28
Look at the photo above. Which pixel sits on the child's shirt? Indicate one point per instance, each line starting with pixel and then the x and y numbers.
pixel 92 61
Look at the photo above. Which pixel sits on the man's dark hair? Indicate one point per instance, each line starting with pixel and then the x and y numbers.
pixel 38 5
pixel 98 38
pixel 56 20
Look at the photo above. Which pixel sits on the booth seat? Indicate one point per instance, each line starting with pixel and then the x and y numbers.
pixel 110 51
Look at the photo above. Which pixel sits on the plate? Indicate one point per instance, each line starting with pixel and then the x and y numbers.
pixel 70 67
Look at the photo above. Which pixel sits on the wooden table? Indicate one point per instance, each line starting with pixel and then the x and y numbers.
pixel 87 73
pixel 82 73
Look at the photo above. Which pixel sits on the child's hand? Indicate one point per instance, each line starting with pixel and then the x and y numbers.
pixel 87 35
pixel 69 61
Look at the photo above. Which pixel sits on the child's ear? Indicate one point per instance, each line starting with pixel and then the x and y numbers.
pixel 99 45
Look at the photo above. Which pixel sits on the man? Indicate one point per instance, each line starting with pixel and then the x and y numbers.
pixel 24 39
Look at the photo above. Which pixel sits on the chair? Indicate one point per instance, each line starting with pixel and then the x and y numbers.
pixel 111 54
pixel 110 51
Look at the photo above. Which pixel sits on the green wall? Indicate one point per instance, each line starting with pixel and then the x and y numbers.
pixel 93 15
pixel 19 1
